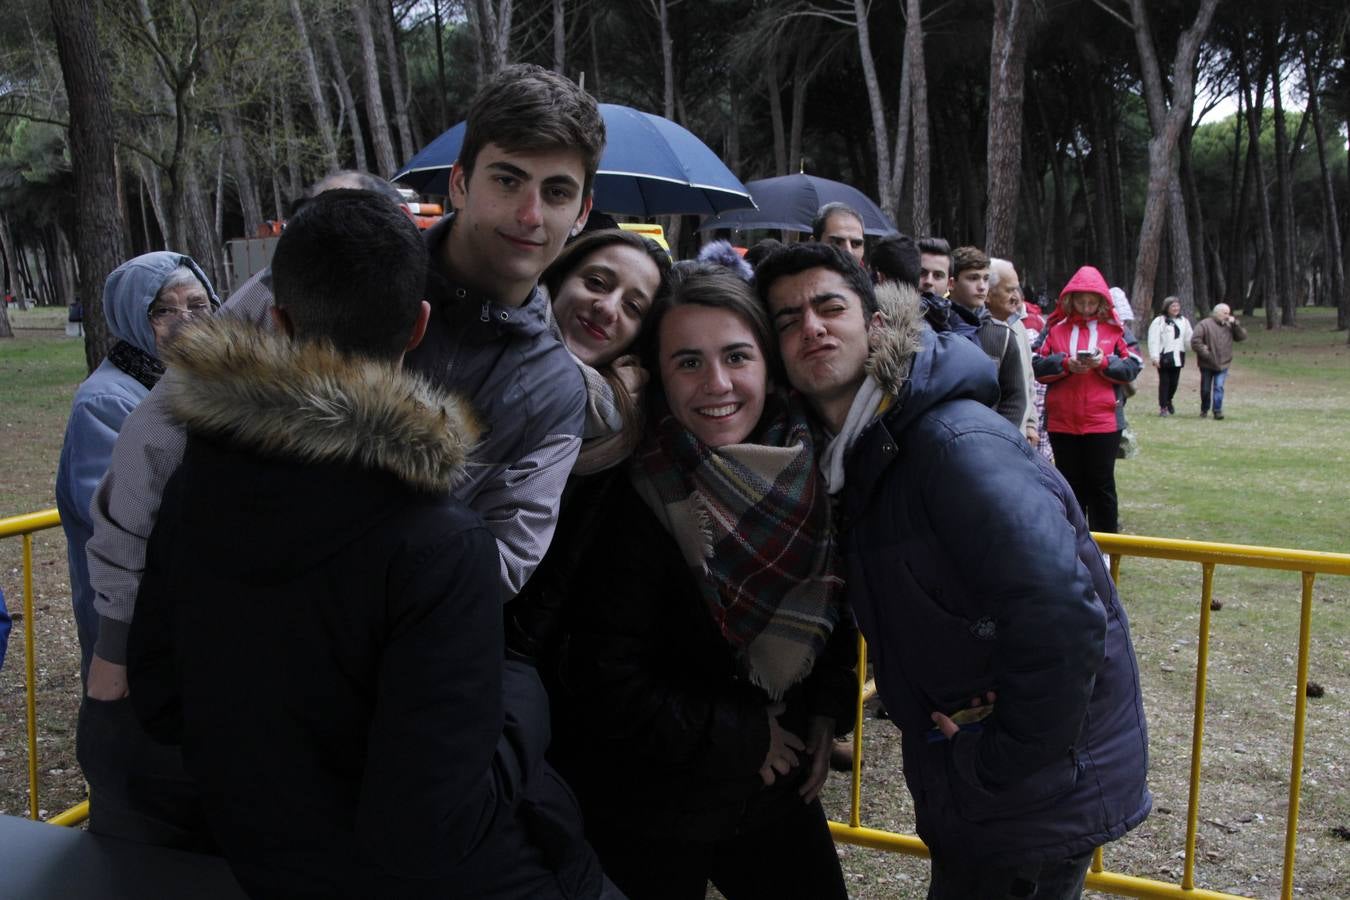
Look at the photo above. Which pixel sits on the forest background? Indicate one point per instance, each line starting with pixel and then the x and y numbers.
pixel 1051 132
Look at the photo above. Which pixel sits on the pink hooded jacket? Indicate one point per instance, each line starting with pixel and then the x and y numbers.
pixel 1085 404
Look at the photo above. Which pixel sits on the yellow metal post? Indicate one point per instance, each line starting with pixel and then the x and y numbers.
pixel 1300 715
pixel 855 794
pixel 1198 728
pixel 30 668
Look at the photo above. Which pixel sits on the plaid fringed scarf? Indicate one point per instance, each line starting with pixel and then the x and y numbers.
pixel 753 522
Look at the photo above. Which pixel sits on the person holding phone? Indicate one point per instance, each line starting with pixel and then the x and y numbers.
pixel 1085 354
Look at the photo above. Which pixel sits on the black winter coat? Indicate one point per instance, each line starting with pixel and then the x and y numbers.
pixel 971 569
pixel 664 734
pixel 319 625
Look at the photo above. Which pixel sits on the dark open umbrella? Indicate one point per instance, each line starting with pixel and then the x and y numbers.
pixel 790 202
pixel 650 167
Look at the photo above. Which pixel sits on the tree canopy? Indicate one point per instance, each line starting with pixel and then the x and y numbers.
pixel 1036 130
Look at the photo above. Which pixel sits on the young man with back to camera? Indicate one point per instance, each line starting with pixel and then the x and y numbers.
pixel 523 183
pixel 369 701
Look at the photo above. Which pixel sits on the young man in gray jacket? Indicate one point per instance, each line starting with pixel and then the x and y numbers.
pixel 523 184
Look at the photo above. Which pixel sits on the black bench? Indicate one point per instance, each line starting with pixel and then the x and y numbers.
pixel 39 861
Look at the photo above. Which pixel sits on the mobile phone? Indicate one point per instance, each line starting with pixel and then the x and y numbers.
pixel 1084 355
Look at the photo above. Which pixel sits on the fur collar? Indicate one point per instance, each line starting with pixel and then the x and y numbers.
pixel 896 339
pixel 306 401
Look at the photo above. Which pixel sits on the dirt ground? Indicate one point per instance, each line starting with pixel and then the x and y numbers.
pixel 1245 763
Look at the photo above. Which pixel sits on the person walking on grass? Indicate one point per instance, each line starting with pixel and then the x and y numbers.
pixel 1168 337
pixel 1212 342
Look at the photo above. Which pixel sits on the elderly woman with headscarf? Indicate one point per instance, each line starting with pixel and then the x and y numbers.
pixel 145 301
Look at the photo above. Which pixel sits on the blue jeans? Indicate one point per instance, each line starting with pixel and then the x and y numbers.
pixel 1212 382
pixel 1060 879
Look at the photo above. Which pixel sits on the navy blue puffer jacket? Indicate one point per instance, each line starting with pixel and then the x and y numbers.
pixel 971 569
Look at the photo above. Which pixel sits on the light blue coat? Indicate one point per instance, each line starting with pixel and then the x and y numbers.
pixel 101 404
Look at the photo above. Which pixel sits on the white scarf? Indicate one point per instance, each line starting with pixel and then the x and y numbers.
pixel 866 404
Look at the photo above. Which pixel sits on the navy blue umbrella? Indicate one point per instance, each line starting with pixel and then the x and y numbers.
pixel 650 167
pixel 790 202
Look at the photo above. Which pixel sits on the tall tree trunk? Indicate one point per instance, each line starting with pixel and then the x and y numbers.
pixel 344 93
pixel 1167 126
pixel 733 141
pixel 1195 220
pixel 559 37
pixel 220 198
pixel 1033 265
pixel 323 122
pixel 385 162
pixel 1101 189
pixel 491 20
pixel 773 89
pixel 800 80
pixel 879 130
pixel 295 182
pixel 99 231
pixel 1178 225
pixel 1007 71
pixel 1060 220
pixel 667 60
pixel 900 149
pixel 150 180
pixel 1269 283
pixel 594 39
pixel 921 173
pixel 1240 174
pixel 245 185
pixel 201 241
pixel 442 111
pixel 383 15
pixel 1335 265
pixel 1284 238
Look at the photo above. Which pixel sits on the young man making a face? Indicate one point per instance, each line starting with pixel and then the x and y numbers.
pixel 973 575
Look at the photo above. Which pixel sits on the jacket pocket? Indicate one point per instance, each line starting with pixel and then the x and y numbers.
pixel 1039 791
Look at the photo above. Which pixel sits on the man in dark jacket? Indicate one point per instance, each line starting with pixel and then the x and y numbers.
pixel 973 575
pixel 319 623
pixel 1212 342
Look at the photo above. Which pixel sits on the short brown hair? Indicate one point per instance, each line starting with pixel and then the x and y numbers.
pixel 964 258
pixel 529 108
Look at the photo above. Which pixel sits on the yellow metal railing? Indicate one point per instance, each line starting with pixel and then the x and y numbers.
pixel 1208 555
pixel 24 527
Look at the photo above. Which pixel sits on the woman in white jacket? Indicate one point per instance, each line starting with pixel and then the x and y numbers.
pixel 1168 337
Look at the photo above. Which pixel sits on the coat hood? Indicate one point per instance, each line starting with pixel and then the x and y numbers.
pixel 131 288
pixel 306 401
pixel 1087 280
pixel 919 366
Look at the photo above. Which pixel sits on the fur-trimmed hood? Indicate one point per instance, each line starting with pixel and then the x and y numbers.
pixel 920 367
pixel 896 338
pixel 305 401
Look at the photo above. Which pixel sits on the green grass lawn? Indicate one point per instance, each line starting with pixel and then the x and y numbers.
pixel 1273 473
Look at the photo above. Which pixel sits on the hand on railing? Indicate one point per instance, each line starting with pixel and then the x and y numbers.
pixel 783 746
pixel 107 681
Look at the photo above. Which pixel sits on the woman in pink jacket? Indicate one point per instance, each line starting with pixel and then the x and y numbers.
pixel 1086 353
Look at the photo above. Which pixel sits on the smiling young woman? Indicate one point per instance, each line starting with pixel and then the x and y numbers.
pixel 715 680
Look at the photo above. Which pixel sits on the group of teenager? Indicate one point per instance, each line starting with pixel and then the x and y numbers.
pixel 511 560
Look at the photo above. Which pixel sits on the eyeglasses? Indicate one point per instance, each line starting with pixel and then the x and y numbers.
pixel 167 313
